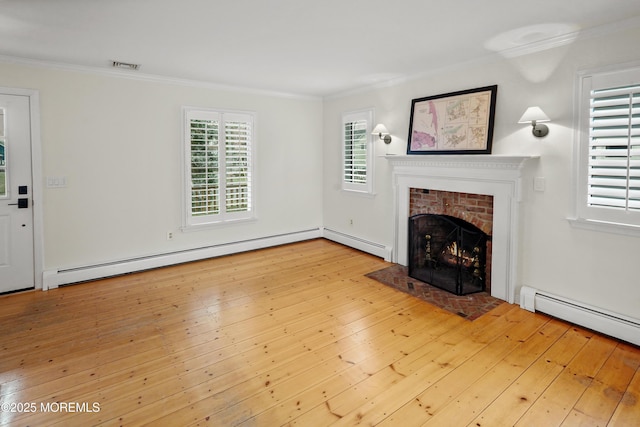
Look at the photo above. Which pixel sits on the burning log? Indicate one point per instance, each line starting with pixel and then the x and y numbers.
pixel 452 254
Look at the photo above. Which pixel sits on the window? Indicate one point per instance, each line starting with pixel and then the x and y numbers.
pixel 357 151
pixel 609 148
pixel 218 162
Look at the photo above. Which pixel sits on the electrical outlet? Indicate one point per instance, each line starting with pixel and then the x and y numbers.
pixel 169 235
pixel 350 222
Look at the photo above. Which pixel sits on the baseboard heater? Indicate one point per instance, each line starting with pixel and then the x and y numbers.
pixel 363 245
pixel 594 318
pixel 54 278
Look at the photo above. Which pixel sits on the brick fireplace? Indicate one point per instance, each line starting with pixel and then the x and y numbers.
pixel 477 177
pixel 474 208
pixel 477 209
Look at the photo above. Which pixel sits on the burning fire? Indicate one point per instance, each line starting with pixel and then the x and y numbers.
pixel 452 254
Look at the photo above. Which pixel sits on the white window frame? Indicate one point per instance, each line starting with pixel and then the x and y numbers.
pixel 366 187
pixel 586 215
pixel 191 221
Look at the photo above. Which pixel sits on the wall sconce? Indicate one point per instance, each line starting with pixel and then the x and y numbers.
pixel 534 115
pixel 382 133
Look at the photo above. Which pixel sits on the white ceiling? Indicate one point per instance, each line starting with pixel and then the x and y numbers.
pixel 304 47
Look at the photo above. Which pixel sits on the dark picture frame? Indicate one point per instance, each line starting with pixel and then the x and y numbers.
pixel 453 123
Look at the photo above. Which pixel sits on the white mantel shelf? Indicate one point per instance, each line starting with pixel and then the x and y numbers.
pixel 497 175
pixel 479 161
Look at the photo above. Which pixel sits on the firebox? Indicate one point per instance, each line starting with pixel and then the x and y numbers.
pixel 447 252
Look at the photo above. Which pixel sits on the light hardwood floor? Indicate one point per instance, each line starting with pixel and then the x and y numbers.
pixel 297 335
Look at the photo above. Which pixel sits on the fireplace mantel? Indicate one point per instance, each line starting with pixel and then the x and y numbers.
pixel 477 161
pixel 497 175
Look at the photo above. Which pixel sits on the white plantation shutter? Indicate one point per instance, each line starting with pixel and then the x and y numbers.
pixel 219 166
pixel 238 132
pixel 614 148
pixel 355 152
pixel 204 166
pixel 609 184
pixel 356 137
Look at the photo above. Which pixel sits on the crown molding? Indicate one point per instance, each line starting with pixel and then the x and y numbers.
pixel 151 78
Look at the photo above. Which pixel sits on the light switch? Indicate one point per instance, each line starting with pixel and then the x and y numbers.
pixel 56 181
pixel 539 183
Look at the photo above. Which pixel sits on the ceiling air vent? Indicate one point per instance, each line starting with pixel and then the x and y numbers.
pixel 125 65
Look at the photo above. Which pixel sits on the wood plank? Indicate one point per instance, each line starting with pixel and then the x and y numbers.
pixel 484 389
pixel 516 399
pixel 307 377
pixel 628 411
pixel 604 395
pixel 475 382
pixel 400 341
pixel 430 369
pixel 269 365
pixel 553 406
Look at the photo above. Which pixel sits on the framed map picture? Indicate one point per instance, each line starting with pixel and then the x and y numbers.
pixel 453 123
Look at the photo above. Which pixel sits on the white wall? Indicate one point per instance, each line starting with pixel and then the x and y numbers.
pixel 118 143
pixel 591 267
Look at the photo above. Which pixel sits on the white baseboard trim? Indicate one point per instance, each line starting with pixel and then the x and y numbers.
pixel 54 278
pixel 597 319
pixel 363 245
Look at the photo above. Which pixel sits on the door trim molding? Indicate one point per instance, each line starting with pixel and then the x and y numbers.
pixel 36 175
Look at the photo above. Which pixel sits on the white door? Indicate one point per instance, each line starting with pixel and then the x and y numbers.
pixel 16 212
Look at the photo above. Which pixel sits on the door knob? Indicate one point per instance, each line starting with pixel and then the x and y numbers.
pixel 22 203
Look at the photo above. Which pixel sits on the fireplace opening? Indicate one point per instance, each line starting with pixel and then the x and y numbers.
pixel 447 252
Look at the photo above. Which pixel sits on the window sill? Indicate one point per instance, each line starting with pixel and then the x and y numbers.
pixel 359 193
pixel 604 226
